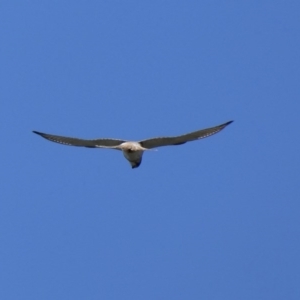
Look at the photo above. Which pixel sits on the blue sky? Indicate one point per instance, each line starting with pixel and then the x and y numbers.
pixel 212 219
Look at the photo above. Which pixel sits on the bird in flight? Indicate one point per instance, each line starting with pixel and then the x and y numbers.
pixel 133 151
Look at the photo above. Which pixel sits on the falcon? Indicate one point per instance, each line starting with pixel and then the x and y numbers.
pixel 133 151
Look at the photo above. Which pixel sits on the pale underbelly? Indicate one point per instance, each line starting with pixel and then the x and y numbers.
pixel 134 155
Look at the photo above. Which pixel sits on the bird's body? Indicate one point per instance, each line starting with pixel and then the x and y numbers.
pixel 133 151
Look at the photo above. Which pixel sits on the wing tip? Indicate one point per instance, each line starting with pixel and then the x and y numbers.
pixel 37 132
pixel 44 135
pixel 229 122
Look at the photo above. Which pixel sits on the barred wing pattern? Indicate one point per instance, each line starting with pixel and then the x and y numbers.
pixel 182 139
pixel 97 143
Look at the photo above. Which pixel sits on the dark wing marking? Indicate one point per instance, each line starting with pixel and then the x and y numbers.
pixel 179 140
pixel 97 143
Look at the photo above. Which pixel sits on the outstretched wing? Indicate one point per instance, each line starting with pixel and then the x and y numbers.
pixel 179 140
pixel 97 143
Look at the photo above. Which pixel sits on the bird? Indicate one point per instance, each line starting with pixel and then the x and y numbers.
pixel 134 150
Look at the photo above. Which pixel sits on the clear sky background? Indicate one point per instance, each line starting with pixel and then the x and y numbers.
pixel 212 219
